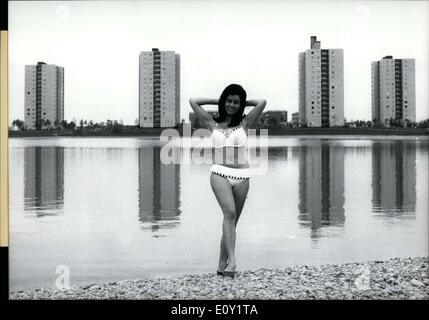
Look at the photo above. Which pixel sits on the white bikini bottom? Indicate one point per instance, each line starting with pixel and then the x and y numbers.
pixel 233 175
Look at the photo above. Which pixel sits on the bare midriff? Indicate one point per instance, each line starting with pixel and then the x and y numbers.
pixel 233 157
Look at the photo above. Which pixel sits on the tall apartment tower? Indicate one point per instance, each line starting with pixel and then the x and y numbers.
pixel 159 89
pixel 393 90
pixel 44 95
pixel 321 86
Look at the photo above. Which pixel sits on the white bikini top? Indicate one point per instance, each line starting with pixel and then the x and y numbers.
pixel 229 137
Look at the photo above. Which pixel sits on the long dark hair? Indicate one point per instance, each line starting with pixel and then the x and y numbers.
pixel 232 89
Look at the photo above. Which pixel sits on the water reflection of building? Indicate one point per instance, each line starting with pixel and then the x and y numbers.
pixel 321 187
pixel 43 179
pixel 394 177
pixel 277 153
pixel 159 189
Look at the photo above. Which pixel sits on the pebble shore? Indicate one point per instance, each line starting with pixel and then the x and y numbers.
pixel 390 279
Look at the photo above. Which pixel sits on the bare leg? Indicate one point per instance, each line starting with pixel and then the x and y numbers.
pixel 224 195
pixel 223 258
pixel 240 195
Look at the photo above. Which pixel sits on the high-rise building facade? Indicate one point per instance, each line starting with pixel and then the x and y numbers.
pixel 159 89
pixel 321 86
pixel 393 90
pixel 44 96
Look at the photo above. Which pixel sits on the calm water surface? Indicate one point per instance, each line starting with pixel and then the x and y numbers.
pixel 109 209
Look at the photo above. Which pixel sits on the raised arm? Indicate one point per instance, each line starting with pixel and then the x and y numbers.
pixel 254 114
pixel 203 116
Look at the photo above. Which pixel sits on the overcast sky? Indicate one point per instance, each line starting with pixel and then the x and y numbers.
pixel 253 43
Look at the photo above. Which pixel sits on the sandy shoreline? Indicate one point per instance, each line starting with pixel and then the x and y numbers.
pixel 390 279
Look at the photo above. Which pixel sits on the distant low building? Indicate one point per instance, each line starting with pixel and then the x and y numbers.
pixel 273 119
pixel 350 124
pixel 295 119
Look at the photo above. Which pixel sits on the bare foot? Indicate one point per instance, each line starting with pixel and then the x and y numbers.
pixel 221 267
pixel 229 270
pixel 230 266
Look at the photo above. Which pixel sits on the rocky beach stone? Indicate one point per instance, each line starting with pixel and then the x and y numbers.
pixel 391 279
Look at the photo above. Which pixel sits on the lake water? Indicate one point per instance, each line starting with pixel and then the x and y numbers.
pixel 108 209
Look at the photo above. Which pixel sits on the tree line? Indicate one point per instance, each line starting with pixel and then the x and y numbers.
pixel 43 124
pixel 271 123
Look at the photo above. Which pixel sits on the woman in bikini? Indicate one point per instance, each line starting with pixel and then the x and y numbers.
pixel 230 174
